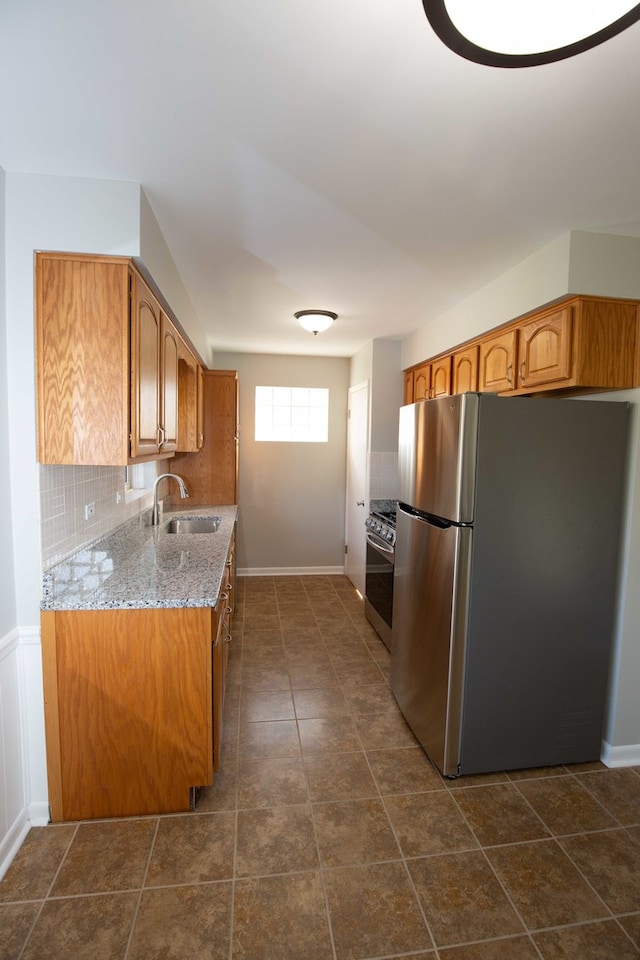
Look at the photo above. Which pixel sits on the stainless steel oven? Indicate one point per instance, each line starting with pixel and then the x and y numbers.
pixel 378 601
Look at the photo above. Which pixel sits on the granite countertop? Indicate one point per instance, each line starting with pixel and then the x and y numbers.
pixel 138 565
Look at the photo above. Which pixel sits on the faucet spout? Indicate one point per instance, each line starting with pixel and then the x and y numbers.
pixel 184 493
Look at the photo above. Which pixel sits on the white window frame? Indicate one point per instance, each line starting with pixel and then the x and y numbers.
pixel 291 414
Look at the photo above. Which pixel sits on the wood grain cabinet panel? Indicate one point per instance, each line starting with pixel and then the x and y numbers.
pixel 211 475
pixel 190 401
pixel 154 375
pixel 128 708
pixel 544 349
pixel 82 359
pixel 440 378
pixel 421 382
pixel 107 363
pixel 464 374
pixel 428 380
pixel 497 362
pixel 408 386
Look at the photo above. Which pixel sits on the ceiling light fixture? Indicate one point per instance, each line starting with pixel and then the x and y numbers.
pixel 501 33
pixel 315 321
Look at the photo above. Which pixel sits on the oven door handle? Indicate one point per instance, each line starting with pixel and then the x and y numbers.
pixel 382 547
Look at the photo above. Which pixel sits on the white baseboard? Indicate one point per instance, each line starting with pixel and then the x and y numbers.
pixel 289 571
pixel 12 841
pixel 38 813
pixel 627 756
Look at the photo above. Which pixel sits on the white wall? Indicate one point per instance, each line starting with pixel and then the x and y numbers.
pixel 579 262
pixel 292 496
pixel 7 581
pixel 41 213
pixel 12 746
pixel 157 258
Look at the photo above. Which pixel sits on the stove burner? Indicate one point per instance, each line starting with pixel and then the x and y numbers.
pixel 388 516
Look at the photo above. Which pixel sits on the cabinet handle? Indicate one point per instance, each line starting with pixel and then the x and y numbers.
pixel 509 375
pixel 523 368
pixel 161 436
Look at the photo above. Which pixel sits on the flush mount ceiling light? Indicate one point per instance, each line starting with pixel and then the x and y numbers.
pixel 503 33
pixel 315 321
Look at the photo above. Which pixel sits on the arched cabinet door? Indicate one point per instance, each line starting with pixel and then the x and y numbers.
pixel 465 370
pixel 497 362
pixel 544 349
pixel 146 336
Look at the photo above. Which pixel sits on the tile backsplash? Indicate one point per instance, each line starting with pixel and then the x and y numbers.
pixel 383 475
pixel 65 491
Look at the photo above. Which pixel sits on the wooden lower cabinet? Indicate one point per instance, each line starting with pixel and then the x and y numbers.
pixel 129 709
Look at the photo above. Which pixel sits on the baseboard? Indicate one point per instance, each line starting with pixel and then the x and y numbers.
pixel 12 841
pixel 289 571
pixel 627 756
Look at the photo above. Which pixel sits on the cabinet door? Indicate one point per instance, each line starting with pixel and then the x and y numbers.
pixel 82 354
pixel 465 370
pixel 422 382
pixel 169 388
pixel 544 349
pixel 441 377
pixel 497 362
pixel 146 323
pixel 190 401
pixel 408 386
pixel 128 710
pixel 200 409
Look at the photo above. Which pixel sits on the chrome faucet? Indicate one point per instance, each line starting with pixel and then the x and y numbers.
pixel 184 493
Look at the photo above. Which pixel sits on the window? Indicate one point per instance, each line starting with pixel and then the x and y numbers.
pixel 292 414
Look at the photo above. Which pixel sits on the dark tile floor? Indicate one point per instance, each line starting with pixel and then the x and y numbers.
pixel 328 835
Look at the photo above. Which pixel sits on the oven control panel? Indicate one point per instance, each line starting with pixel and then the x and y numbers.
pixel 382 528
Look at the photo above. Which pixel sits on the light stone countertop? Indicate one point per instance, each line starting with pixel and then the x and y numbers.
pixel 138 566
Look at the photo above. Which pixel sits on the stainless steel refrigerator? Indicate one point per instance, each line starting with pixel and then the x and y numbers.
pixel 506 564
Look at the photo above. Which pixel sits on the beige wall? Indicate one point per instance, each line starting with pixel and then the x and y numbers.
pixel 291 495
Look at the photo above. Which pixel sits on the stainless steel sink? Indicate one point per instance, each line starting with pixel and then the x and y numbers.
pixel 193 525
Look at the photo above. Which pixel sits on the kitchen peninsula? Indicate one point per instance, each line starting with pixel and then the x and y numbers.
pixel 135 637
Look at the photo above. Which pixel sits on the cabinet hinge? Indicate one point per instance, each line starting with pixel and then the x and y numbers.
pixel 346 548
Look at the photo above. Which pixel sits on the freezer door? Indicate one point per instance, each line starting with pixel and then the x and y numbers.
pixel 437 444
pixel 429 633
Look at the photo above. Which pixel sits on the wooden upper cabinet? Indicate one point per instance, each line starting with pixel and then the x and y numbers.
pixel 440 377
pixel 154 376
pixel 82 354
pixel 428 380
pixel 146 342
pixel 212 475
pixel 168 387
pixel 583 343
pixel 190 401
pixel 544 349
pixel 421 382
pixel 408 386
pixel 464 372
pixel 107 363
pixel 497 362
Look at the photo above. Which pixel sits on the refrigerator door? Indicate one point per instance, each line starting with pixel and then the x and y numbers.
pixel 429 632
pixel 437 456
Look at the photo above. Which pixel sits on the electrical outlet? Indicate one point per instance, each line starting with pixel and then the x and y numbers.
pixel 118 496
pixel 89 510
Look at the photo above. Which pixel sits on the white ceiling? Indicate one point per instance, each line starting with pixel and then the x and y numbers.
pixel 331 155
